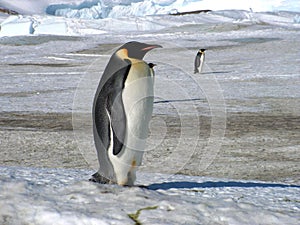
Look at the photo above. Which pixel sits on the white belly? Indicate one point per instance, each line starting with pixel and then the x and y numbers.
pixel 138 103
pixel 201 62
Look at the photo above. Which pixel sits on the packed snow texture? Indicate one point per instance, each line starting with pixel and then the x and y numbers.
pixel 42 196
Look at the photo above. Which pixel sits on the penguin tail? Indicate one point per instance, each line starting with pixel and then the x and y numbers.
pixel 196 71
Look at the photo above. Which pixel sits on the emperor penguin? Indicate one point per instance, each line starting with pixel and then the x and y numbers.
pixel 199 61
pixel 122 109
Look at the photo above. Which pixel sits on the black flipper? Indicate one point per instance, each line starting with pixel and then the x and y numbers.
pixel 197 62
pixel 110 101
pixel 116 110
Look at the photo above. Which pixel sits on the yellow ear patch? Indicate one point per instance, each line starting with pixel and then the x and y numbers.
pixel 122 53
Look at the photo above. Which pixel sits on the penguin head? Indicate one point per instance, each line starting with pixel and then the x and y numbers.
pixel 151 65
pixel 202 50
pixel 138 50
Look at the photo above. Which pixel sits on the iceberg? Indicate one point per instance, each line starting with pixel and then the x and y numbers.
pixel 17 25
pixel 135 9
pixel 97 9
pixel 52 26
pixel 84 17
pixel 120 8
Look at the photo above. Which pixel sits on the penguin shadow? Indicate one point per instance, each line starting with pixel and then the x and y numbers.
pixel 178 100
pixel 215 184
pixel 215 72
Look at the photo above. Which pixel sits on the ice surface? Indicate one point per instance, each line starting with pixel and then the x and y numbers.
pixel 230 35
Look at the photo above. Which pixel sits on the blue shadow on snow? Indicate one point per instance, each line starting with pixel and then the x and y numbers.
pixel 216 184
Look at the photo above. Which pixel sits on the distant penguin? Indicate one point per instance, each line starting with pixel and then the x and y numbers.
pixel 199 61
pixel 122 110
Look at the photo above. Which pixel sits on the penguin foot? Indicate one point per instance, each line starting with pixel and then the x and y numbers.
pixel 98 178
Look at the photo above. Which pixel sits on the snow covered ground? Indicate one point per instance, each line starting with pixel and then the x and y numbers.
pixel 245 108
pixel 60 196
